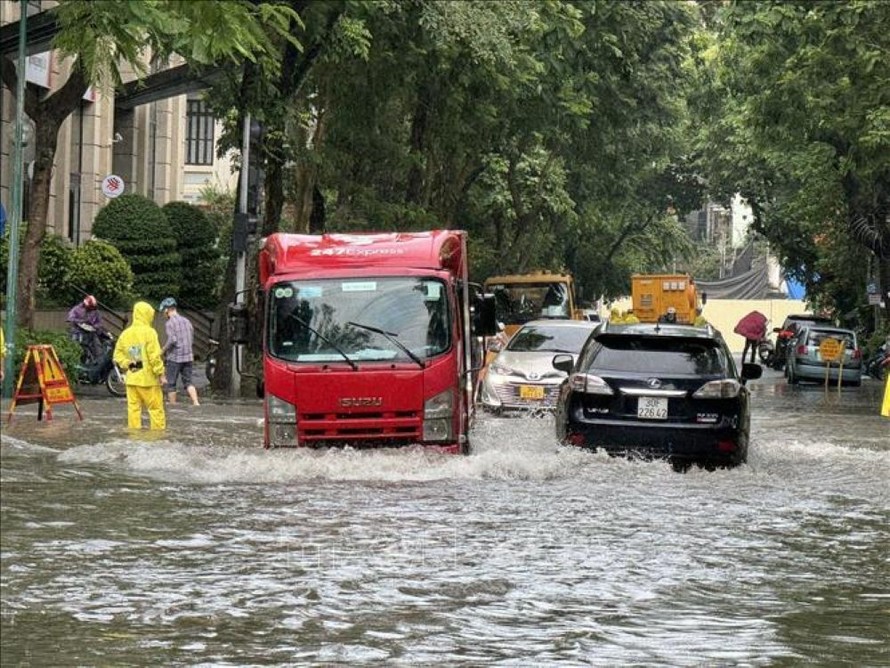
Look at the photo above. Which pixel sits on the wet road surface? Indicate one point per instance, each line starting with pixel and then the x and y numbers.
pixel 202 548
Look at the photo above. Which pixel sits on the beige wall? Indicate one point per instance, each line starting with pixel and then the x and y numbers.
pixel 723 314
pixel 149 154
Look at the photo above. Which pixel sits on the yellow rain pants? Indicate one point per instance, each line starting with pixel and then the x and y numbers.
pixel 150 398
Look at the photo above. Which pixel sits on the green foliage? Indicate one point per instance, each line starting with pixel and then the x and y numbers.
pixel 196 239
pixel 67 351
pixel 138 228
pixel 52 273
pixel 105 34
pixel 796 109
pixel 98 268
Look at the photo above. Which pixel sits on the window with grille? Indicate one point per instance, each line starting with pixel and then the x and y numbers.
pixel 199 139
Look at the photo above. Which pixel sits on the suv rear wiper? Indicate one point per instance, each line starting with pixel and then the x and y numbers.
pixel 324 338
pixel 390 336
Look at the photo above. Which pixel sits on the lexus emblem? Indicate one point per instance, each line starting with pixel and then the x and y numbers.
pixel 654 383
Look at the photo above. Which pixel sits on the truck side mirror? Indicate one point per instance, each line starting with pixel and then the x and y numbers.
pixel 238 331
pixel 484 319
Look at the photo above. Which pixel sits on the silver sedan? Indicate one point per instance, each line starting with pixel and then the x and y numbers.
pixel 522 376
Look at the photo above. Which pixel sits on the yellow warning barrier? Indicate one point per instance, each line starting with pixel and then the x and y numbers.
pixel 42 380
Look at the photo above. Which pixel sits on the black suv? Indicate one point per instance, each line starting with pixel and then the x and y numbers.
pixel 658 390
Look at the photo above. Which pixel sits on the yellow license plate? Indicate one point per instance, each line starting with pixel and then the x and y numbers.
pixel 531 392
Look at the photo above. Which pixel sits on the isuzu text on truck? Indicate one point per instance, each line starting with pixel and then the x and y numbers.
pixel 368 339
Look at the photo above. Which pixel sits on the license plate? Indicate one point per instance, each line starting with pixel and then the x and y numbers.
pixel 652 408
pixel 531 392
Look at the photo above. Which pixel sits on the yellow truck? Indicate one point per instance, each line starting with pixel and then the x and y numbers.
pixel 520 298
pixel 654 294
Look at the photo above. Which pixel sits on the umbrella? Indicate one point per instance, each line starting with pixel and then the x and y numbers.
pixel 752 326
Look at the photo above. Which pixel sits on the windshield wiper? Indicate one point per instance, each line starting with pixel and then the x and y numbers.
pixel 390 336
pixel 324 338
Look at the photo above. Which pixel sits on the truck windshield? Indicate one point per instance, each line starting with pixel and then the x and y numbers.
pixel 323 320
pixel 517 303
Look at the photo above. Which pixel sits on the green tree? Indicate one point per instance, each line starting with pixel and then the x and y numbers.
pixel 138 228
pixel 196 239
pixel 103 36
pixel 799 105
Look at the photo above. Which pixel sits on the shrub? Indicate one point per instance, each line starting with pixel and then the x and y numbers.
pixel 138 228
pixel 99 268
pixel 55 261
pixel 67 351
pixel 196 239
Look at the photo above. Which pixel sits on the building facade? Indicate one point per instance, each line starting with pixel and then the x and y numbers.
pixel 164 149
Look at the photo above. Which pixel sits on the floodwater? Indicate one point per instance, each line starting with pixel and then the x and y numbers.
pixel 201 548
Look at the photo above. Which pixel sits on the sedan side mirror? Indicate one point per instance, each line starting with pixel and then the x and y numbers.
pixel 564 363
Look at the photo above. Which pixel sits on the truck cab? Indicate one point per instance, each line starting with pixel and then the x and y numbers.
pixel 368 340
pixel 520 298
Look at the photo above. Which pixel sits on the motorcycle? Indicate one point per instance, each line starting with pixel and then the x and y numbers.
pixel 783 341
pixel 874 366
pixel 766 352
pixel 101 370
pixel 210 359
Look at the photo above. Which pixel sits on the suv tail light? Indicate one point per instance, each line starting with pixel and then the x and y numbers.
pixel 801 350
pixel 588 384
pixel 718 389
pixel 857 354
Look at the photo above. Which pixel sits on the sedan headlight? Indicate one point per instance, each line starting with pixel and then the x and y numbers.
pixel 719 389
pixel 500 369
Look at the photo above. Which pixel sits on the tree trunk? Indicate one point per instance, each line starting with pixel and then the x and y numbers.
pixel 46 140
pixel 47 114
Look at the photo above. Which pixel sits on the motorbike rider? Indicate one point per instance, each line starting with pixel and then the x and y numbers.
pixel 85 327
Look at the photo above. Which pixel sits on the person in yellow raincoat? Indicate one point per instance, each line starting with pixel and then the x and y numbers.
pixel 138 352
pixel 630 317
pixel 615 317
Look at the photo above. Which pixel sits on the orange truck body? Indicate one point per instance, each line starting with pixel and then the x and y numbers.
pixel 653 294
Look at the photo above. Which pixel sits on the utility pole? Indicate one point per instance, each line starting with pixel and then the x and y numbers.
pixel 15 208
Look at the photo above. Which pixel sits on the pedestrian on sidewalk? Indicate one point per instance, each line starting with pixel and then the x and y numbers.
pixel 138 352
pixel 178 351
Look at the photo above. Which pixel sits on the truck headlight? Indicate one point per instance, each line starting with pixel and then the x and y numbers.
pixel 437 417
pixel 282 417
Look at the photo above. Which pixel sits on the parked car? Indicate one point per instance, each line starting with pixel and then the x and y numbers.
pixel 805 360
pixel 522 376
pixel 657 390
pixel 789 329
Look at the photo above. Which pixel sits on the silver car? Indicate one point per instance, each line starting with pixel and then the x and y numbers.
pixel 805 356
pixel 522 376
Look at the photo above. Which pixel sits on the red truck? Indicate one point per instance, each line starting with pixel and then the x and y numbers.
pixel 369 339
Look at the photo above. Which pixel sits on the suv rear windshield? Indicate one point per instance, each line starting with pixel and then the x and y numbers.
pixel 659 355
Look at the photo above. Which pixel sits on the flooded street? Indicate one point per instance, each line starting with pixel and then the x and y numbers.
pixel 202 548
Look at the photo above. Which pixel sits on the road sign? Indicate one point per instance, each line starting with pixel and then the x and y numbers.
pixel 831 350
pixel 113 186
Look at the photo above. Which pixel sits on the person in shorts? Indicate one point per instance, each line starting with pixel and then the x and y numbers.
pixel 178 354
